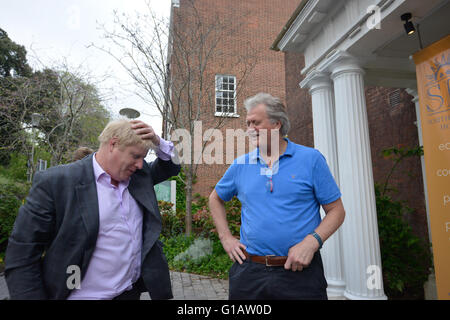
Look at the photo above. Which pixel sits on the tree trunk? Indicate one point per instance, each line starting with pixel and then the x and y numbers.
pixel 188 219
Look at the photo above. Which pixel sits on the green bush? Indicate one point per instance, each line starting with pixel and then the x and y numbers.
pixel 172 222
pixel 406 258
pixel 215 264
pixel 176 243
pixel 202 221
pixel 17 168
pixel 12 196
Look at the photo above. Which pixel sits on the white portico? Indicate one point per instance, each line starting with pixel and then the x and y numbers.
pixel 348 44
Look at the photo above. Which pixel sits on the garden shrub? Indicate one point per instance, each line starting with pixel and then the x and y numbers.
pixel 12 196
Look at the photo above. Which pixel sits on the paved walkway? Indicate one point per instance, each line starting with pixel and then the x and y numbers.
pixel 185 286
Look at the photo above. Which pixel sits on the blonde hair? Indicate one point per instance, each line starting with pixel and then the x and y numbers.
pixel 121 129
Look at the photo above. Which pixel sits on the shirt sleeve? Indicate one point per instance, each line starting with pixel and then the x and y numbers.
pixel 226 188
pixel 165 149
pixel 325 187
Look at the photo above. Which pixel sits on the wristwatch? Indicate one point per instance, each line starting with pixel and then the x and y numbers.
pixel 315 235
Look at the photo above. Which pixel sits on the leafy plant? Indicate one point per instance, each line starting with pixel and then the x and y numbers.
pixel 12 196
pixel 405 257
pixel 172 222
pixel 215 264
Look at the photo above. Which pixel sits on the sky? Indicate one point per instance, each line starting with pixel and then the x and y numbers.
pixel 56 30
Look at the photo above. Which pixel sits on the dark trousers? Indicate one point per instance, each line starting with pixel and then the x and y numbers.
pixel 254 281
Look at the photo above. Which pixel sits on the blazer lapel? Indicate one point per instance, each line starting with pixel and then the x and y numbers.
pixel 86 193
pixel 141 188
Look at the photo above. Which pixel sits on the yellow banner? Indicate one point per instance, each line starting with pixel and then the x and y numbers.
pixel 433 84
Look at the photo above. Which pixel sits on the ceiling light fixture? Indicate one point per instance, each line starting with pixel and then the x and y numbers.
pixel 409 26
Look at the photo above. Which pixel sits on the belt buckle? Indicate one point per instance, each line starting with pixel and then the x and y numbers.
pixel 267 263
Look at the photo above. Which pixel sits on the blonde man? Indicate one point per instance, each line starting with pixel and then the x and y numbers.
pixel 89 229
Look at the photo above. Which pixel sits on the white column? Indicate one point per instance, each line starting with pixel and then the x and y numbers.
pixel 361 247
pixel 324 118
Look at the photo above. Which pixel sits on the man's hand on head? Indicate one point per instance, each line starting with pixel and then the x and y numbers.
pixel 145 131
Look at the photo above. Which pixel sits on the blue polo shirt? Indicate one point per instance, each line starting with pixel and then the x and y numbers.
pixel 273 221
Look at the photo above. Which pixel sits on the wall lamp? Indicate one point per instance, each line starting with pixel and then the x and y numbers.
pixel 409 26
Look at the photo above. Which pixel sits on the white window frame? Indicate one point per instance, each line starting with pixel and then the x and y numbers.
pixel 228 91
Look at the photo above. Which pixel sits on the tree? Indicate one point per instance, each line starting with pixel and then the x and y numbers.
pixel 13 67
pixel 70 109
pixel 76 118
pixel 172 62
pixel 13 61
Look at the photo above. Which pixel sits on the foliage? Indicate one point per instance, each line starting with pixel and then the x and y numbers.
pixel 13 59
pixel 12 196
pixel 177 244
pixel 181 190
pixel 67 100
pixel 196 251
pixel 172 222
pixel 17 168
pixel 398 155
pixel 406 258
pixel 215 264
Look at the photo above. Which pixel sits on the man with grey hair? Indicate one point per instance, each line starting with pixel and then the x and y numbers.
pixel 89 229
pixel 281 186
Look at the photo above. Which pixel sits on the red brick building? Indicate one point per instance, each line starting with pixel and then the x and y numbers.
pixel 255 24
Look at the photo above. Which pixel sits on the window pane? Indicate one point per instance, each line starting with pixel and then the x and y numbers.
pixel 219 109
pixel 231 87
pixel 231 109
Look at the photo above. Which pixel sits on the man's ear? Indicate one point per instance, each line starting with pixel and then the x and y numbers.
pixel 113 142
pixel 278 125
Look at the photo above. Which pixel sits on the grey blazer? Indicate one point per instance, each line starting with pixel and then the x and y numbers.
pixel 58 227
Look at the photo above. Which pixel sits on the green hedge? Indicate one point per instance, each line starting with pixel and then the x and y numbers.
pixel 175 242
pixel 215 264
pixel 12 196
pixel 406 258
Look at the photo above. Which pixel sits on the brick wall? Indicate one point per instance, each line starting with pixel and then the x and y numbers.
pixel 258 24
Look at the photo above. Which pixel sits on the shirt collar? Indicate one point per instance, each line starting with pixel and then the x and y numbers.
pixel 288 152
pixel 99 172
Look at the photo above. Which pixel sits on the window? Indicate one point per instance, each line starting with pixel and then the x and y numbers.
pixel 226 96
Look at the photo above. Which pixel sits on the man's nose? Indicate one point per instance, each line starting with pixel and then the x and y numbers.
pixel 139 164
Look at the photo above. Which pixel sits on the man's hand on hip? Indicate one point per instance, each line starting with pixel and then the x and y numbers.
pixel 233 247
pixel 301 254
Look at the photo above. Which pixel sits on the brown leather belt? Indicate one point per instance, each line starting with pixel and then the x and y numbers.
pixel 269 261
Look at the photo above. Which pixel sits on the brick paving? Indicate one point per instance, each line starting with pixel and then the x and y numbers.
pixel 185 286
